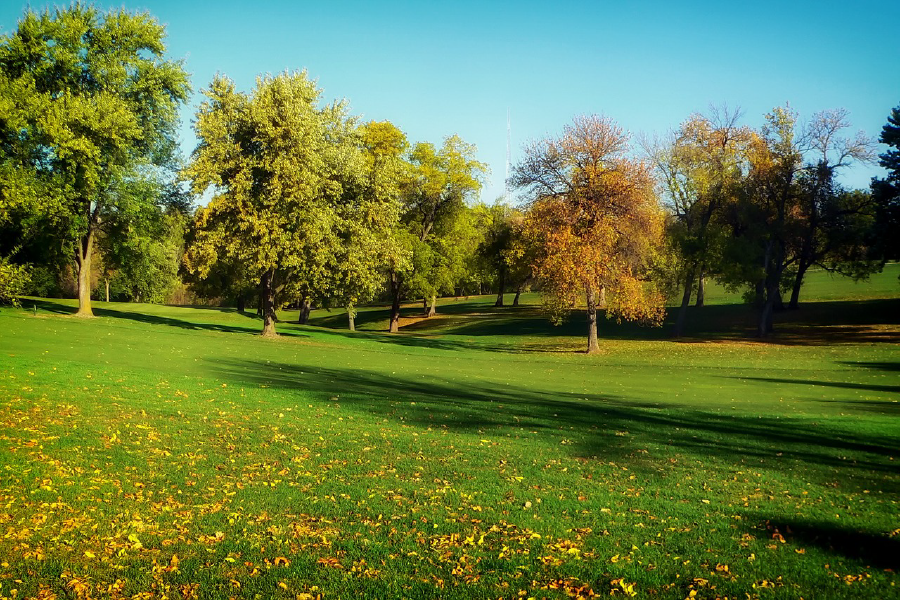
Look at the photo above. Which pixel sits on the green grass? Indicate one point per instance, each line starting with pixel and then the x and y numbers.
pixel 172 452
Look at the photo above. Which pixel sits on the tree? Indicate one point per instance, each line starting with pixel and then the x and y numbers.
pixel 94 108
pixel 278 165
pixel 441 182
pixel 13 280
pixel 596 221
pixel 496 246
pixel 788 213
pixel 504 253
pixel 368 213
pixel 520 255
pixel 886 191
pixel 141 255
pixel 767 217
pixel 825 229
pixel 700 169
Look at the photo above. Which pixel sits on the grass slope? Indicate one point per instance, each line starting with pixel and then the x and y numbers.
pixel 168 452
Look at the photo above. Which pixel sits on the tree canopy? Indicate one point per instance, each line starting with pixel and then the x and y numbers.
pixel 886 191
pixel 303 196
pixel 433 200
pixel 597 219
pixel 91 106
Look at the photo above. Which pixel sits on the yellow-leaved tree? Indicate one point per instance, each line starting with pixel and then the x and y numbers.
pixel 595 221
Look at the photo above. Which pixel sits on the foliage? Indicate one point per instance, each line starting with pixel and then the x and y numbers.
pixel 14 280
pixel 94 106
pixel 280 167
pixel 368 215
pixel 434 201
pixel 835 226
pixel 789 214
pixel 596 221
pixel 886 191
pixel 500 251
pixel 701 169
pixel 143 259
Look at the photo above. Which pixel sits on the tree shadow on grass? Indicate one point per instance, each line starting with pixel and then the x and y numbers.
pixel 437 342
pixel 605 426
pixel 887 389
pixel 868 548
pixel 882 407
pixel 99 311
pixel 816 323
pixel 877 366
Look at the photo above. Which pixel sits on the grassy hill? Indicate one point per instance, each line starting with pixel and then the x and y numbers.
pixel 171 452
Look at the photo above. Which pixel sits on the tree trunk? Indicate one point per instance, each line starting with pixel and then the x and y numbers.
pixel 394 326
pixel 760 296
pixel 267 296
pixel 83 258
pixel 241 303
pixel 798 282
pixel 701 290
pixel 502 286
pixel 425 307
pixel 593 346
pixel 765 325
pixel 770 286
pixel 351 317
pixel 516 297
pixel 305 307
pixel 602 301
pixel 680 321
pixel 107 290
pixel 431 309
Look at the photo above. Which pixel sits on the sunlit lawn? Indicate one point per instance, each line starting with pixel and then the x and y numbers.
pixel 169 452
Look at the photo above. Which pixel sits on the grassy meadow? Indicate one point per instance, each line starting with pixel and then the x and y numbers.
pixel 170 452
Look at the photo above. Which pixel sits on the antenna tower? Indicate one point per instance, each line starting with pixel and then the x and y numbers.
pixel 506 180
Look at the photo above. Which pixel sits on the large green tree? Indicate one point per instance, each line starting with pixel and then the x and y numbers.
pixel 435 197
pixel 90 105
pixel 368 216
pixel 767 217
pixel 304 198
pixel 141 255
pixel 502 251
pixel 788 213
pixel 268 157
pixel 834 224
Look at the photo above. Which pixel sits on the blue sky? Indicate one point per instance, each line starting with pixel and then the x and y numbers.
pixel 435 69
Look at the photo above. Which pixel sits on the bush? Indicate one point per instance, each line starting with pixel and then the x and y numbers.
pixel 43 282
pixel 13 281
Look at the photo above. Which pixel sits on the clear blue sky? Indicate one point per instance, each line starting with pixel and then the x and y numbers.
pixel 435 69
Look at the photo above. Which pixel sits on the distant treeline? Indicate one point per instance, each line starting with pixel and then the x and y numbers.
pixel 311 206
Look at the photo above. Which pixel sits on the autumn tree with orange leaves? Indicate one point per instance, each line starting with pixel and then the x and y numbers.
pixel 595 220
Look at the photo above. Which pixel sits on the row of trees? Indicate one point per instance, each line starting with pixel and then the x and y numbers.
pixel 309 205
pixel 757 208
